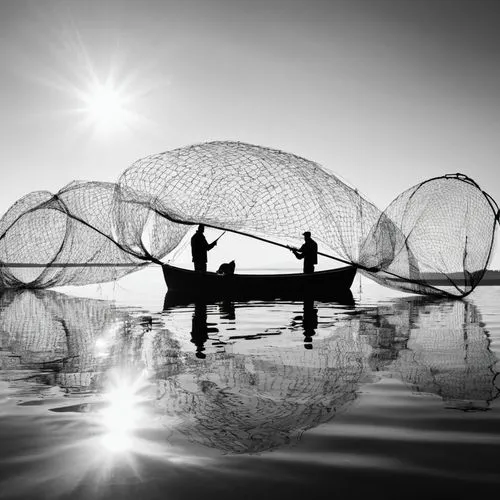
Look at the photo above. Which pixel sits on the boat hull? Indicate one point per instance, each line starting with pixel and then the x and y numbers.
pixel 331 283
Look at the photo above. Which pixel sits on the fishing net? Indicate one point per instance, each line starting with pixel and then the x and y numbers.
pixel 435 238
pixel 63 239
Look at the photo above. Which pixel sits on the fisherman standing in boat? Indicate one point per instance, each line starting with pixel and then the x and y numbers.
pixel 199 249
pixel 308 251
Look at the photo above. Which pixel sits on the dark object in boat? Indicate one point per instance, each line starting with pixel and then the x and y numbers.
pixel 227 268
pixel 333 283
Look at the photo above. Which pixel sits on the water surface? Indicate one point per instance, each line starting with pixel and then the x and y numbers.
pixel 119 393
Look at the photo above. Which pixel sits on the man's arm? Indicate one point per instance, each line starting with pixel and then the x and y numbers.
pixel 299 253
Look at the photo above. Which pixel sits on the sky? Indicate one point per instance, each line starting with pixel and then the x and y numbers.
pixel 384 93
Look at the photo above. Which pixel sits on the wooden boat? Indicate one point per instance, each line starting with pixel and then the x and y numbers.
pixel 329 284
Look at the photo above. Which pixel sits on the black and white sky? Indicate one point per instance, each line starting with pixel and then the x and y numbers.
pixel 384 93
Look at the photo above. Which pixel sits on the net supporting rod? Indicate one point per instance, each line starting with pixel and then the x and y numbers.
pixel 359 266
pixel 265 240
pixel 338 259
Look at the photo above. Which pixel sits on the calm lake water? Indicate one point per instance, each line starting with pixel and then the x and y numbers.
pixel 113 392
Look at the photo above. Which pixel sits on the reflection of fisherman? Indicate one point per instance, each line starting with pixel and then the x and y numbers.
pixel 309 322
pixel 200 329
pixel 199 249
pixel 308 251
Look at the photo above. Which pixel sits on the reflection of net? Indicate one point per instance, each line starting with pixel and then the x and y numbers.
pixel 73 341
pixel 235 403
pixel 243 403
pixel 454 361
pixel 52 330
pixel 439 348
pixel 436 229
pixel 249 404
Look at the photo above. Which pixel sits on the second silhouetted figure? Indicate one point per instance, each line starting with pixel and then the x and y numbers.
pixel 308 251
pixel 199 249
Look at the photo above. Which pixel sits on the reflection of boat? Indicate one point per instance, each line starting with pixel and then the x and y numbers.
pixel 331 283
pixel 174 299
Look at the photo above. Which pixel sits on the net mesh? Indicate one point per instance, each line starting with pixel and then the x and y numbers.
pixel 435 238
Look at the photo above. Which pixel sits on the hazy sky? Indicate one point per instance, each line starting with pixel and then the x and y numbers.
pixel 385 93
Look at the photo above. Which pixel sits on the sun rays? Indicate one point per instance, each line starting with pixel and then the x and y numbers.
pixel 106 107
pixel 102 93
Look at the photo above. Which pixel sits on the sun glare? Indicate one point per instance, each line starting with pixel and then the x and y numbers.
pixel 123 413
pixel 105 106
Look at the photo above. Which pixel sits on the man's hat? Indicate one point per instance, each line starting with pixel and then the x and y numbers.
pixel 307 233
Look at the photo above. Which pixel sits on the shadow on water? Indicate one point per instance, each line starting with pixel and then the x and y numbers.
pixel 212 387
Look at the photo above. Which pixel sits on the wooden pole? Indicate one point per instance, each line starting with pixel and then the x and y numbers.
pixel 265 240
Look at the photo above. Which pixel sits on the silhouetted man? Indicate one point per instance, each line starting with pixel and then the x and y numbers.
pixel 308 251
pixel 199 249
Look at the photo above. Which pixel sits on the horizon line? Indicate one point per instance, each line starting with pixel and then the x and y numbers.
pixel 70 264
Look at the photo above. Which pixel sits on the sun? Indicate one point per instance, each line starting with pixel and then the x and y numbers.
pixel 104 96
pixel 104 103
pixel 105 106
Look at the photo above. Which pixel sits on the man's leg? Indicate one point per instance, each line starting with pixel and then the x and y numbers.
pixel 200 266
pixel 308 268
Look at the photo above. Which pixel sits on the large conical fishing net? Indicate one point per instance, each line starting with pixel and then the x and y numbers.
pixel 434 238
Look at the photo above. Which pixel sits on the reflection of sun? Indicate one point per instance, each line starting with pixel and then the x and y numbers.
pixel 112 442
pixel 121 418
